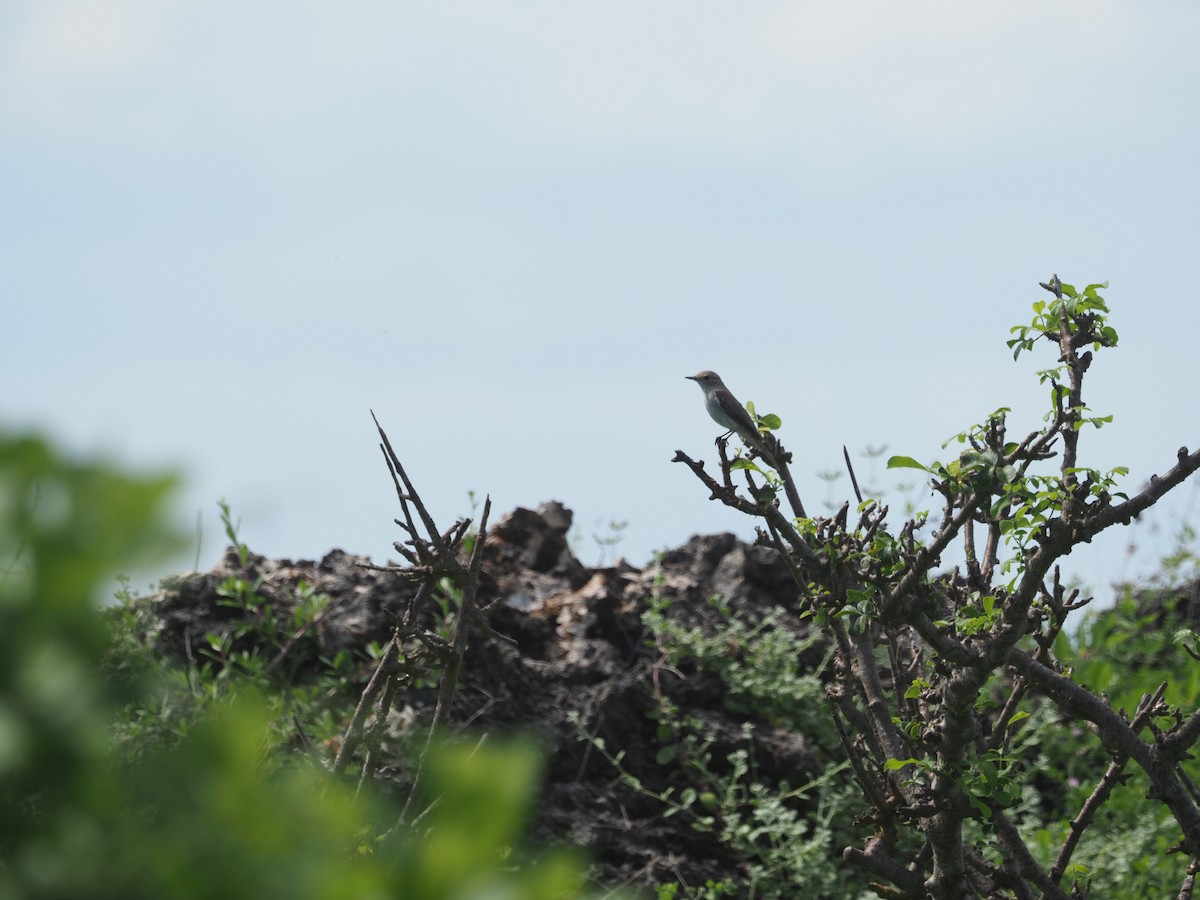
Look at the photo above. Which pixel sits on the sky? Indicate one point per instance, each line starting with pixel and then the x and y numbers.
pixel 228 231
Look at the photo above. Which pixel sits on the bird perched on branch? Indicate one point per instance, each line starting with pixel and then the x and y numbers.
pixel 727 412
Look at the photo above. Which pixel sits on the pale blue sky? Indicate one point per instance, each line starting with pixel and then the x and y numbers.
pixel 230 229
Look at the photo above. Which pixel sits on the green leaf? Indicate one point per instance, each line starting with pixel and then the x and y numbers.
pixel 1184 636
pixel 770 421
pixel 906 462
pixel 893 764
pixel 766 494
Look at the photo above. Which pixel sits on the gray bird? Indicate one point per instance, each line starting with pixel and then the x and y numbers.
pixel 726 411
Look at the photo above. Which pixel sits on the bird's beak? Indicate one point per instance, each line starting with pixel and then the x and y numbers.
pixel 690 377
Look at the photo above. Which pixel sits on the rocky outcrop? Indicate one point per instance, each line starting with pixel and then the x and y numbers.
pixel 568 642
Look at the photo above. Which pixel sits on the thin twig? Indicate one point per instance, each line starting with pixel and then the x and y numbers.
pixel 853 478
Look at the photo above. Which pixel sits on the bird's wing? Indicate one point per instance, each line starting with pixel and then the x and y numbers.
pixel 729 403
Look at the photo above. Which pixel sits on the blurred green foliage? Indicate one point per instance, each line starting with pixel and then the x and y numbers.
pixel 219 810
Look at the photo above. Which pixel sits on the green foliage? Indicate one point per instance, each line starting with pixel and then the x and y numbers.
pixel 224 812
pixel 756 661
pixel 978 617
pixel 710 890
pixel 1025 502
pixel 1127 652
pixel 270 647
pixel 1077 308
pixel 218 808
pixel 785 837
pixel 63 526
pixel 1122 860
pixel 469 843
pixel 766 422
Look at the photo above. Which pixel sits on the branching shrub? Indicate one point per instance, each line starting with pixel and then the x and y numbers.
pixel 937 673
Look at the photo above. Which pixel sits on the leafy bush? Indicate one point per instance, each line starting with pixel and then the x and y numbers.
pixel 208 804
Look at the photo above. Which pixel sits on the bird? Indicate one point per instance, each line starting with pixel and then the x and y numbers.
pixel 727 412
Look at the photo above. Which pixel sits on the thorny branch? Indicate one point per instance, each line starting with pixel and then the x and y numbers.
pixel 433 554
